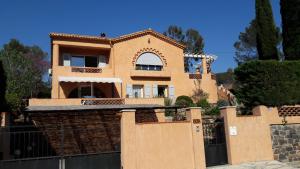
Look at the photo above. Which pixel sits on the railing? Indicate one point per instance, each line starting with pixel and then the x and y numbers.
pixel 31 142
pixel 195 76
pixel 94 101
pixel 87 69
pixel 289 111
pixel 110 101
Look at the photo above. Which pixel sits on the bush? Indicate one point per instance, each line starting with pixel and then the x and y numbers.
pixel 184 101
pixel 222 103
pixel 269 83
pixel 203 103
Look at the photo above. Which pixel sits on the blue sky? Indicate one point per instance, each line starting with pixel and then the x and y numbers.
pixel 218 21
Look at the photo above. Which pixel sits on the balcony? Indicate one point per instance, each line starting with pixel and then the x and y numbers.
pixel 94 101
pixel 146 73
pixel 86 69
pixel 83 71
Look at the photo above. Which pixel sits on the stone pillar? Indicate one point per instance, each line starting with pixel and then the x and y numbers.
pixel 160 115
pixel 204 65
pixel 55 63
pixel 194 116
pixel 128 142
pixel 228 113
pixel 55 55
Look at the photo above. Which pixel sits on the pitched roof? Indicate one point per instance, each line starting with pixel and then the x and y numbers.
pixel 147 32
pixel 117 39
pixel 77 37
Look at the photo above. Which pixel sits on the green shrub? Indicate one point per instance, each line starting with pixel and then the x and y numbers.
pixel 203 103
pixel 269 83
pixel 213 111
pixel 222 103
pixel 184 101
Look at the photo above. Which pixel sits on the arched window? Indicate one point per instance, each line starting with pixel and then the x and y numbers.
pixel 149 61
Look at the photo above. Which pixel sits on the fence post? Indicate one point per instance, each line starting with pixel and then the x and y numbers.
pixel 128 142
pixel 194 116
pixel 62 160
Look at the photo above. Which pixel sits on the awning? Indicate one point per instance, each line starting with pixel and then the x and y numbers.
pixel 89 79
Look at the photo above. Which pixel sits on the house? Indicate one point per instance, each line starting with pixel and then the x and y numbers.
pixel 138 68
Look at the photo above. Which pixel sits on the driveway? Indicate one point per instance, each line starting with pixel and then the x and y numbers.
pixel 257 165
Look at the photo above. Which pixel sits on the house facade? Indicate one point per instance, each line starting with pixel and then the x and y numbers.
pixel 139 68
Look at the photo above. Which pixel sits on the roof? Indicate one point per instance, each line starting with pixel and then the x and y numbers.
pixel 117 39
pixel 147 32
pixel 95 107
pixel 76 36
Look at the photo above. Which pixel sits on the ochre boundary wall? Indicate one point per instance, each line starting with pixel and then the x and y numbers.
pixel 162 145
pixel 252 140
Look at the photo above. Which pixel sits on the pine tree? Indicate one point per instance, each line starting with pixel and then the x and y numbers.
pixel 2 89
pixel 267 36
pixel 290 13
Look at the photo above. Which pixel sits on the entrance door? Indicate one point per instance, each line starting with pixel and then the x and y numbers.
pixel 214 142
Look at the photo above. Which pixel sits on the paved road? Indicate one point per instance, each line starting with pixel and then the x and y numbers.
pixel 256 165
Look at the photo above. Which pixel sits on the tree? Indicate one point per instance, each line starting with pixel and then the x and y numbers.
pixel 175 33
pixel 291 28
pixel 191 38
pixel 2 88
pixel 267 36
pixel 269 83
pixel 246 45
pixel 24 67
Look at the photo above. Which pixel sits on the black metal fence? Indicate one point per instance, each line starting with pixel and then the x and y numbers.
pixel 214 141
pixel 79 146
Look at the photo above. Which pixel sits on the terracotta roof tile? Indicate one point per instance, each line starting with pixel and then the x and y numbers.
pixel 117 39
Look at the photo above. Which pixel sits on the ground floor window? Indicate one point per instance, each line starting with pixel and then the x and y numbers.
pixel 86 92
pixel 138 91
pixel 162 91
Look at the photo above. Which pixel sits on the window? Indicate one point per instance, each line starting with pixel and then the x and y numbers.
pixel 78 61
pixel 162 91
pixel 91 61
pixel 149 61
pixel 138 91
pixel 84 61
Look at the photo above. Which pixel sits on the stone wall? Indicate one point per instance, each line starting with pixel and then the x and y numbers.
pixel 286 142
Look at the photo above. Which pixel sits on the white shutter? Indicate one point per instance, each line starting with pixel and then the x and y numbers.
pixel 155 90
pixel 129 90
pixel 67 59
pixel 171 91
pixel 147 91
pixel 101 61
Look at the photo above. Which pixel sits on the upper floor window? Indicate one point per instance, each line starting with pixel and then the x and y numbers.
pixel 84 61
pixel 149 61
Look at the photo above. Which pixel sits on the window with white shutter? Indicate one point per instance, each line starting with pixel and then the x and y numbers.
pixel 147 91
pixel 155 90
pixel 129 91
pixel 67 59
pixel 171 91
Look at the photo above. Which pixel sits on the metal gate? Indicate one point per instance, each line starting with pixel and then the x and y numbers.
pixel 92 161
pixel 214 142
pixel 61 147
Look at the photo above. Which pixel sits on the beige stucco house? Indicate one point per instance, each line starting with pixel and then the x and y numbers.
pixel 139 68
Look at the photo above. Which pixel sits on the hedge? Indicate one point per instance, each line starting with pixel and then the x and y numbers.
pixel 269 83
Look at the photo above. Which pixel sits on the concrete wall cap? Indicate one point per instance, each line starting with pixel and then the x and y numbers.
pixel 128 110
pixel 227 107
pixel 195 108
